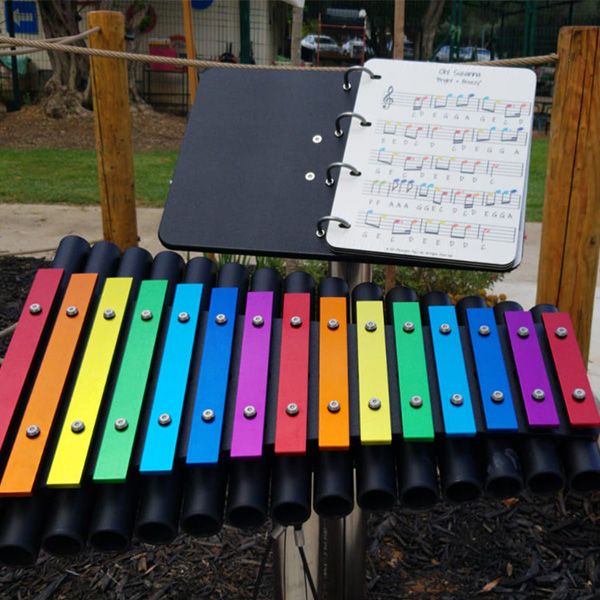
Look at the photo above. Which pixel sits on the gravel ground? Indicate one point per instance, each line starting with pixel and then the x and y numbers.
pixel 521 548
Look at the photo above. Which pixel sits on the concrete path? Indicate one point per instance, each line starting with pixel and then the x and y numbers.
pixel 37 229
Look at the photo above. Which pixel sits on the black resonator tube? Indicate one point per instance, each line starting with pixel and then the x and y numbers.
pixel 291 482
pixel 206 485
pixel 334 469
pixel 248 497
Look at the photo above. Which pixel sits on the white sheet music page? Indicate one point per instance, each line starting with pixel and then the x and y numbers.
pixel 443 165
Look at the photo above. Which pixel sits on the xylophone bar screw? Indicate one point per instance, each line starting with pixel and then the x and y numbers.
pixel 457 399
pixel 538 394
pixel 77 426
pixel 296 321
pixel 561 332
pixel 292 409
pixel 183 317
pixel 146 315
pixel 109 314
pixel 374 403
pixel 249 411
pixel 164 419
pixel 578 394
pixel 208 415
pixel 445 328
pixel 72 311
pixel 221 319
pixel 35 308
pixel 333 406
pixel 371 326
pixel 497 396
pixel 408 327
pixel 258 321
pixel 523 332
pixel 416 401
pixel 121 424
pixel 484 330
pixel 32 431
pixel 333 324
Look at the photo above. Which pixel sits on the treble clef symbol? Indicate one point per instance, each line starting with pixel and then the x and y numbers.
pixel 387 99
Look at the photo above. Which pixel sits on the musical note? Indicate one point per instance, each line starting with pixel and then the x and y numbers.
pixel 400 229
pixel 424 189
pixel 510 110
pixel 508 135
pixel 375 221
pixel 411 132
pixel 389 127
pixel 459 230
pixel 441 101
pixel 468 201
pixel 442 163
pixel 511 195
pixel 379 183
pixel 411 165
pixel 484 230
pixel 418 102
pixel 484 135
pixel 490 200
pixel 459 136
pixel 462 103
pixel 409 184
pixel 385 157
pixel 488 104
pixel 469 167
pixel 492 167
pixel 432 228
pixel 438 197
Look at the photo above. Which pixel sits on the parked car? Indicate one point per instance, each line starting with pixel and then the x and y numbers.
pixel 354 48
pixel 324 43
pixel 465 53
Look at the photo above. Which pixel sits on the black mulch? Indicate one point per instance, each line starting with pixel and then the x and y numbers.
pixel 521 549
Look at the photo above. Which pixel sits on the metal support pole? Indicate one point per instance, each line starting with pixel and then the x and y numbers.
pixel 10 25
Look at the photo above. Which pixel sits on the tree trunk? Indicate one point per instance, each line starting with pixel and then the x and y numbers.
pixel 63 92
pixel 429 26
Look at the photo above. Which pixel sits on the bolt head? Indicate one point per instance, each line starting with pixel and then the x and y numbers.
pixel 457 399
pixel 208 415
pixel 333 324
pixel 164 419
pixel 183 317
pixel 408 326
pixel 371 326
pixel 374 403
pixel 146 315
pixel 309 176
pixel 445 328
pixel 561 332
pixel 333 406
pixel 249 411
pixel 523 332
pixel 292 409
pixel 109 314
pixel 77 426
pixel 71 311
pixel 484 330
pixel 296 321
pixel 538 394
pixel 32 431
pixel 578 394
pixel 317 139
pixel 221 319
pixel 121 424
pixel 416 401
pixel 258 321
pixel 497 396
pixel 35 308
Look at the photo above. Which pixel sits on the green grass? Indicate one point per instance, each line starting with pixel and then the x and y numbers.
pixel 70 176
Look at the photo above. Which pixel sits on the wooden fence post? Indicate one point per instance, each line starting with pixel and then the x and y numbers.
pixel 110 94
pixel 571 219
pixel 190 48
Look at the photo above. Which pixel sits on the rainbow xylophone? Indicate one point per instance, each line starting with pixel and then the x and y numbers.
pixel 142 395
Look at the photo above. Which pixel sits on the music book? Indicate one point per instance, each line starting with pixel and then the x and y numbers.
pixel 442 151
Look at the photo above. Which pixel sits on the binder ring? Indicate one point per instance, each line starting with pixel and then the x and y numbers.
pixel 347 85
pixel 329 180
pixel 342 223
pixel 339 132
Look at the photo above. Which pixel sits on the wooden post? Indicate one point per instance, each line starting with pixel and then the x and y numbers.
pixel 190 48
pixel 295 48
pixel 571 219
pixel 399 8
pixel 114 151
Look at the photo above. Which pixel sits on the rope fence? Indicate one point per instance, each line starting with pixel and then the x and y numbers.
pixel 60 46
pixel 59 40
